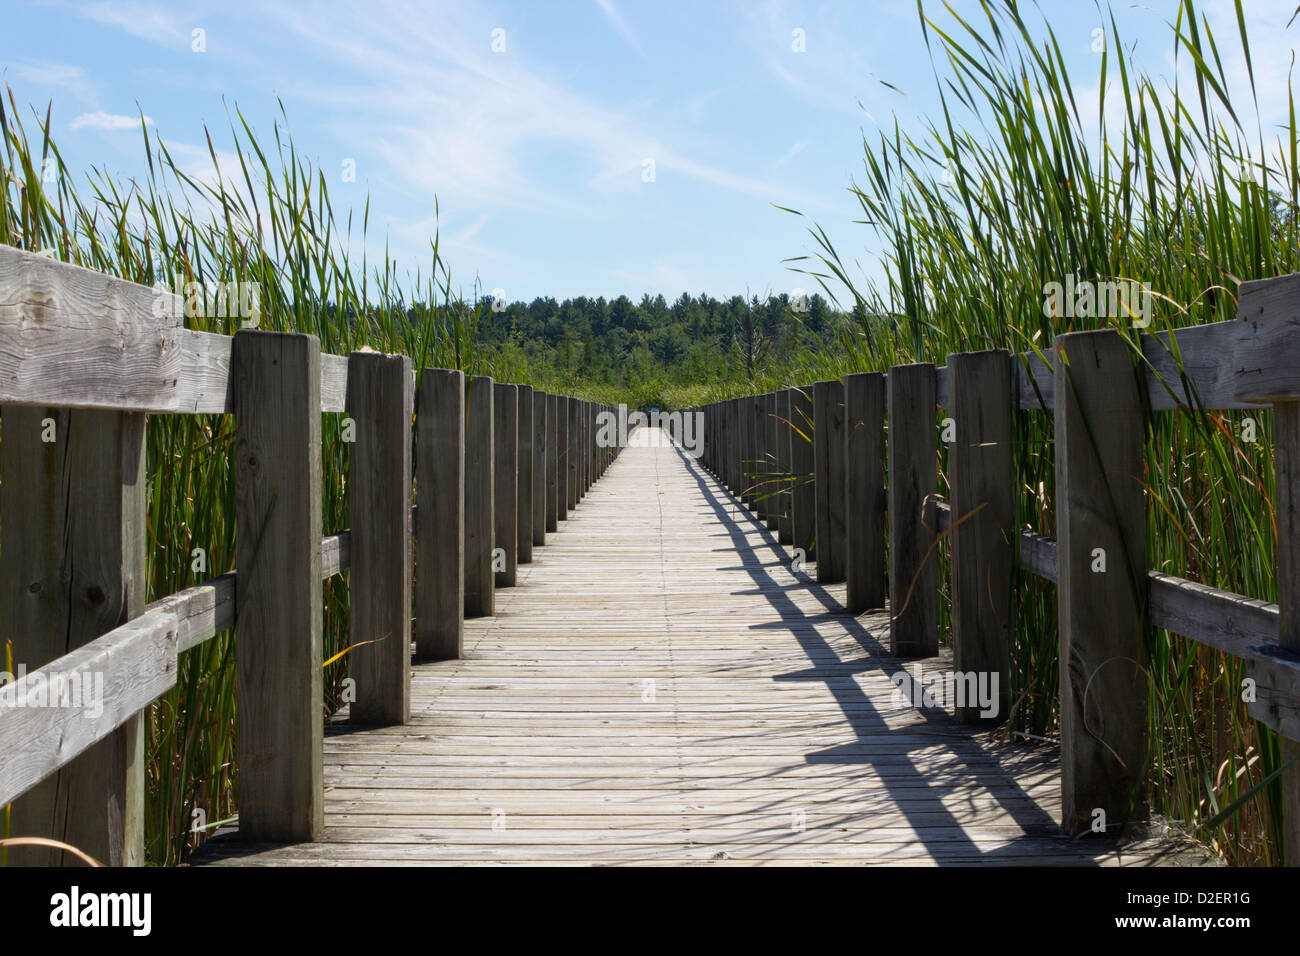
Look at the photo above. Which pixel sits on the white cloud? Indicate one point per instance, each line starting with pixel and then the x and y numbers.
pixel 101 120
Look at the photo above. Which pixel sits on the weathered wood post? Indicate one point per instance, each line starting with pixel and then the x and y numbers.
pixel 782 443
pixel 1265 363
pixel 480 493
pixel 527 458
pixel 440 515
pixel 771 488
pixel 803 497
pixel 553 450
pixel 72 567
pixel 505 483
pixel 380 405
pixel 562 457
pixel 985 542
pixel 913 468
pixel 1101 541
pixel 864 530
pixel 574 452
pixel 279 672
pixel 541 467
pixel 828 464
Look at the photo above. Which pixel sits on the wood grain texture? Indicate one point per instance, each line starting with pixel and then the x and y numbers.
pixel 440 515
pixel 828 485
pixel 524 477
pixel 1100 514
pixel 276 380
pixel 72 568
pixel 661 689
pixel 553 446
pixel 1286 464
pixel 803 498
pixel 541 467
pixel 381 406
pixel 913 462
pixel 984 540
pixel 864 491
pixel 784 530
pixel 480 516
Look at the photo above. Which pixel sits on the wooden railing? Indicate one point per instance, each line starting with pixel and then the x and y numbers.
pixel 84 358
pixel 1099 396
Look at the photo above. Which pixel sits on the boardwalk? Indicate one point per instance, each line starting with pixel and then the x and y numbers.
pixel 661 689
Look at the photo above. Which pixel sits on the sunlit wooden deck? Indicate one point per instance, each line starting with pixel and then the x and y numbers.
pixel 661 689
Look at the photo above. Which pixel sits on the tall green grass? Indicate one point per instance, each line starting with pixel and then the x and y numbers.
pixel 1184 193
pixel 264 216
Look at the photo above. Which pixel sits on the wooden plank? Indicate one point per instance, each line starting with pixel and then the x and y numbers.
pixel 1100 517
pixel 381 407
pixel 1266 350
pixel 913 458
pixel 984 541
pixel 480 517
pixel 541 468
pixel 72 568
pixel 864 531
pixel 1038 555
pixel 276 380
pixel 803 497
pixel 440 515
pixel 828 465
pixel 653 694
pixel 56 713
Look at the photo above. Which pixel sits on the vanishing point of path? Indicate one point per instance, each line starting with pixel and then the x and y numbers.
pixel 661 689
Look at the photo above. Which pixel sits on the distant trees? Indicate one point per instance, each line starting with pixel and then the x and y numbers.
pixel 696 339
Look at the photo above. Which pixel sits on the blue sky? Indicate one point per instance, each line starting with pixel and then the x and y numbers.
pixel 538 150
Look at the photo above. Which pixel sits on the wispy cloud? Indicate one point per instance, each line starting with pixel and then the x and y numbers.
pixel 58 75
pixel 101 120
pixel 148 21
pixel 620 25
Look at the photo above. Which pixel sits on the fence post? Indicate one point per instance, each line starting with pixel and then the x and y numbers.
pixel 440 515
pixel 1286 464
pixel 541 467
pixel 276 387
pixel 803 498
pixel 913 465
pixel 527 462
pixel 1101 541
pixel 573 452
pixel 381 406
pixel 828 463
pixel 480 490
pixel 864 523
pixel 505 482
pixel 782 441
pixel 771 496
pixel 554 406
pixel 985 542
pixel 72 567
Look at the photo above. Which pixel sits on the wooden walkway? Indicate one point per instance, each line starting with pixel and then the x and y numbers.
pixel 661 689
